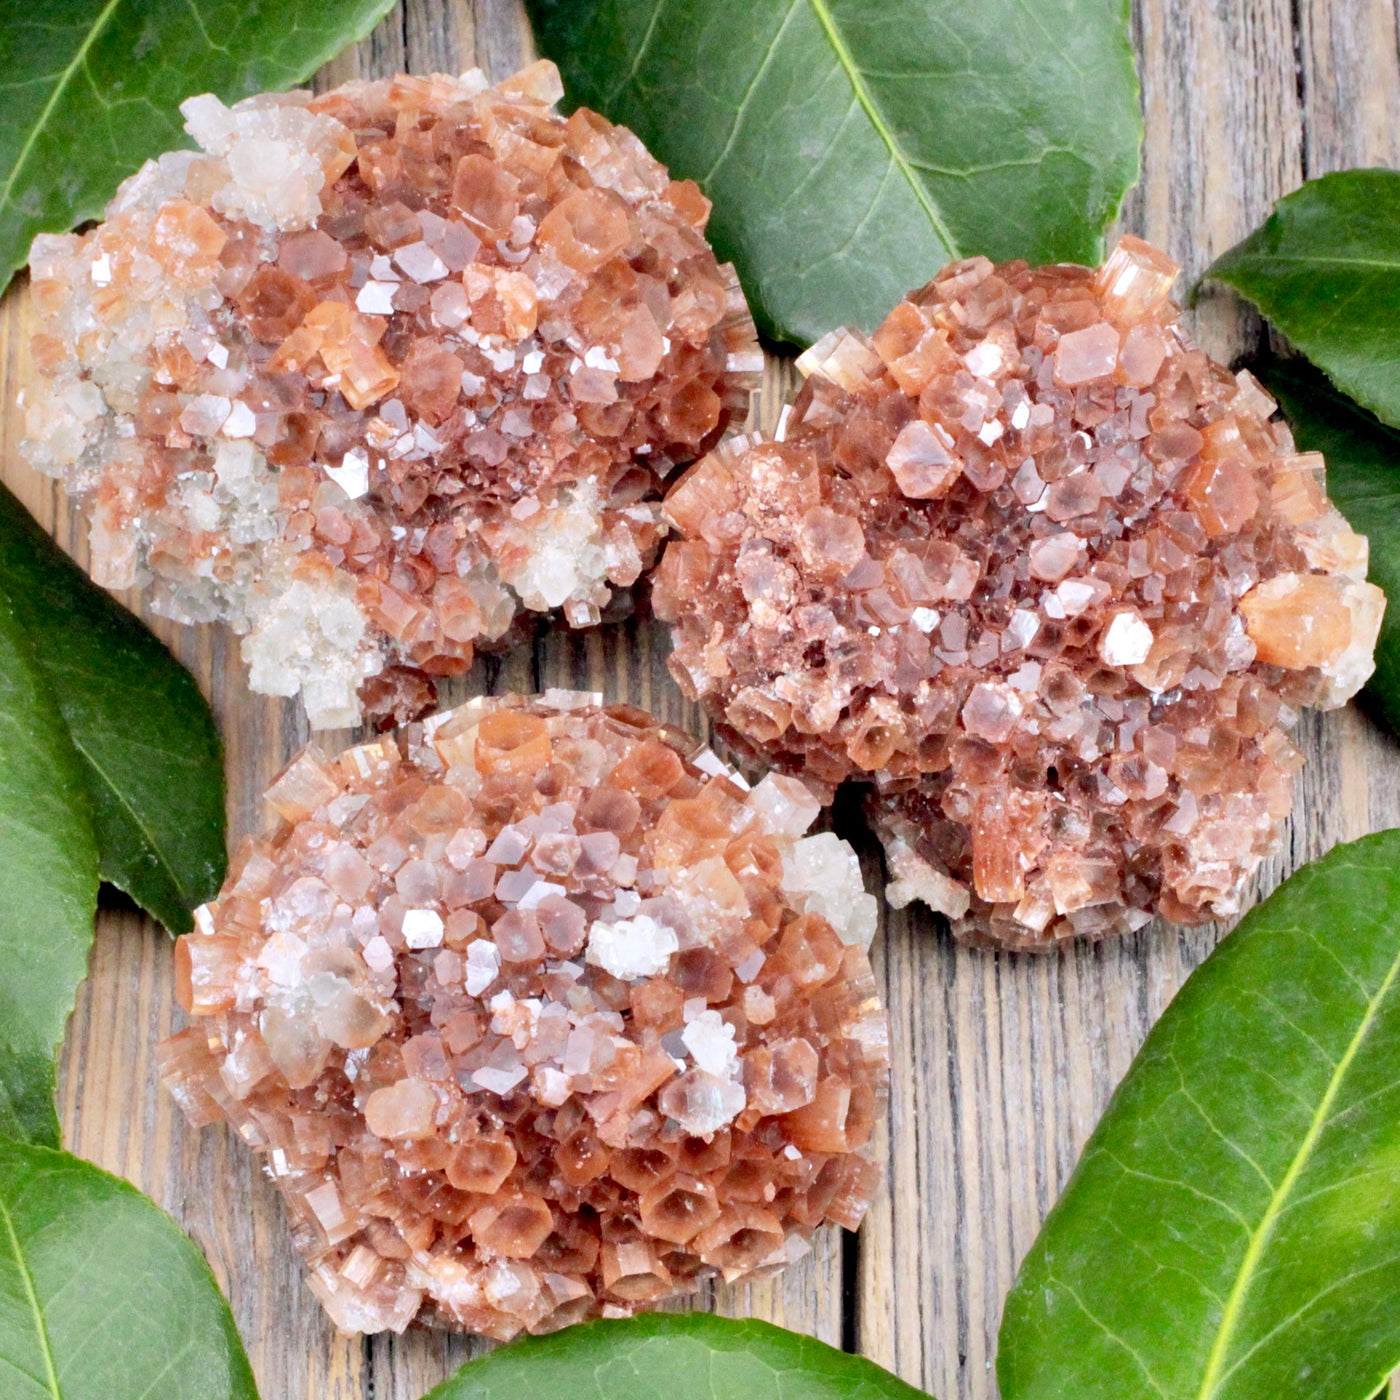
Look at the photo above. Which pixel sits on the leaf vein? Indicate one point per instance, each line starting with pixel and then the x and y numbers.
pixel 1230 1319
pixel 867 102
pixel 1112 1336
pixel 154 845
pixel 40 1326
pixel 1186 1186
pixel 739 112
pixel 1221 1134
pixel 79 61
pixel 632 71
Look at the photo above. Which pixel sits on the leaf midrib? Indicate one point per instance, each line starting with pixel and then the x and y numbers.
pixel 1315 260
pixel 1215 1376
pixel 40 1326
pixel 60 87
pixel 154 845
pixel 866 99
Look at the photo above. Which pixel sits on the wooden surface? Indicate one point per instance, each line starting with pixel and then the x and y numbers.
pixel 1001 1063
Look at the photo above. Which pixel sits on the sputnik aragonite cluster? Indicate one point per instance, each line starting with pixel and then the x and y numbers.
pixel 375 370
pixel 538 1013
pixel 1050 577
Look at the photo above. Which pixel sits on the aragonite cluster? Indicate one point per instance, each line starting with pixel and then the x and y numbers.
pixel 536 1013
pixel 1049 578
pixel 370 372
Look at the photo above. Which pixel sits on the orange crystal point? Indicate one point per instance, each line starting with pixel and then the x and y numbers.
pixel 382 369
pixel 538 1013
pixel 1050 579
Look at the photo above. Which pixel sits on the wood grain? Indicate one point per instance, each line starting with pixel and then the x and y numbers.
pixel 1003 1063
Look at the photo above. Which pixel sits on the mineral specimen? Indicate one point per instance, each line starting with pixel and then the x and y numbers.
pixel 374 370
pixel 1050 578
pixel 538 1013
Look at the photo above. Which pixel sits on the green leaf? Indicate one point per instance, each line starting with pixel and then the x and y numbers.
pixel 851 147
pixel 150 753
pixel 1325 269
pixel 101 1296
pixel 48 886
pixel 1363 480
pixel 681 1356
pixel 92 89
pixel 1232 1231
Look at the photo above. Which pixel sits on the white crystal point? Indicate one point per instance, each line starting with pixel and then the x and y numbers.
pixel 703 1103
pixel 210 122
pixel 1354 667
pixel 311 638
pixel 784 805
pixel 483 963
pixel 822 871
pixel 631 948
pixel 710 1040
pixel 352 475
pixel 912 877
pixel 422 928
pixel 1126 641
pixel 566 559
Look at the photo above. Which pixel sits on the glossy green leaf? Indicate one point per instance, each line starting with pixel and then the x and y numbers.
pixel 91 89
pixel 101 1296
pixel 852 147
pixel 1363 479
pixel 48 886
pixel 150 753
pixel 1232 1231
pixel 1325 269
pixel 678 1356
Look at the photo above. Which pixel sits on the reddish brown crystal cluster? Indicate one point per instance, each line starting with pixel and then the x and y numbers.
pixel 1053 579
pixel 377 369
pixel 537 1013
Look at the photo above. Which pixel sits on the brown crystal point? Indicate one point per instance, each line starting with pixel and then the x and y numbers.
pixel 382 369
pixel 1050 579
pixel 396 696
pixel 536 1012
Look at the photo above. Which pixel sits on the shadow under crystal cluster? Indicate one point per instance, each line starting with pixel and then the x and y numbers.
pixel 538 1013
pixel 373 371
pixel 1049 577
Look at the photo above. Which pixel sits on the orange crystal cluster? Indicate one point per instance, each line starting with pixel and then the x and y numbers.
pixel 538 1013
pixel 375 370
pixel 1050 578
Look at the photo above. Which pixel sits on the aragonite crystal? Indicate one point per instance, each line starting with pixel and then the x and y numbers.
pixel 1053 580
pixel 537 1013
pixel 373 371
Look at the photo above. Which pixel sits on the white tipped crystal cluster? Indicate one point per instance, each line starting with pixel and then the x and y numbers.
pixel 371 372
pixel 537 1013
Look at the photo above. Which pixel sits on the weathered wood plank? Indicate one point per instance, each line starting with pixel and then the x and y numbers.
pixel 1349 84
pixel 1001 1063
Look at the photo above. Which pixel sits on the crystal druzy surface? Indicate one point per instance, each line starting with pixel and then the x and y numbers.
pixel 373 371
pixel 1050 578
pixel 536 1013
